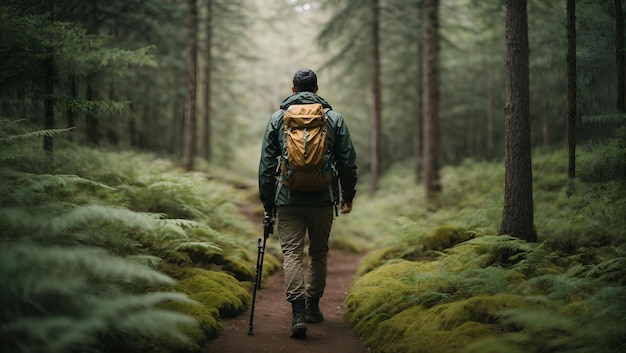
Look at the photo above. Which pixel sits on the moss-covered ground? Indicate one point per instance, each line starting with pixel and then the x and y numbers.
pixel 440 279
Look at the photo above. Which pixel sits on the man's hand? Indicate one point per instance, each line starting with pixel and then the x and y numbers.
pixel 346 207
pixel 268 224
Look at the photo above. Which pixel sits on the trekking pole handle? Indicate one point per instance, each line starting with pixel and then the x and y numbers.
pixel 268 225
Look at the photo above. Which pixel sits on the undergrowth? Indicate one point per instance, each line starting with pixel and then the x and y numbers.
pixel 440 280
pixel 101 250
pixel 117 251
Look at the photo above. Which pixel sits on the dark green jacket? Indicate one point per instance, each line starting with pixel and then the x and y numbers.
pixel 339 143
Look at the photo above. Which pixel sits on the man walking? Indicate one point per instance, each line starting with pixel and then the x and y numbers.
pixel 311 211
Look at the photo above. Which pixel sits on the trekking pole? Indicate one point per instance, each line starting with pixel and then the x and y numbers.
pixel 268 228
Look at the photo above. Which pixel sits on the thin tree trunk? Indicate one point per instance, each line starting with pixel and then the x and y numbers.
pixel 418 142
pixel 92 123
pixel 376 99
pixel 517 219
pixel 431 99
pixel 206 131
pixel 132 131
pixel 178 122
pixel 490 104
pixel 620 56
pixel 49 84
pixel 70 115
pixel 571 88
pixel 545 132
pixel 190 117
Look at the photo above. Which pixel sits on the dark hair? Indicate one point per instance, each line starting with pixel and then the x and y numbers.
pixel 304 80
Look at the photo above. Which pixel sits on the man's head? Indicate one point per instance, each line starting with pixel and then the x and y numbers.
pixel 304 80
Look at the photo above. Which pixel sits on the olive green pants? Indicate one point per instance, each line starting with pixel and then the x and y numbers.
pixel 294 222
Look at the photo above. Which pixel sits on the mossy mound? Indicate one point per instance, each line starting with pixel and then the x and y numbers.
pixel 346 244
pixel 379 295
pixel 208 326
pixel 217 290
pixel 446 328
pixel 445 237
pixel 216 260
pixel 378 257
pixel 484 294
pixel 443 304
pixel 487 250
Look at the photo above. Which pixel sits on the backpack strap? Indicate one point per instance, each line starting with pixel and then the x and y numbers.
pixel 335 199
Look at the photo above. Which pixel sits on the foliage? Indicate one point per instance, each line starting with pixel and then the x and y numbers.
pixel 608 163
pixel 99 251
pixel 421 290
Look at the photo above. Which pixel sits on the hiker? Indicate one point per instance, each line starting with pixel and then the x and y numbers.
pixel 304 198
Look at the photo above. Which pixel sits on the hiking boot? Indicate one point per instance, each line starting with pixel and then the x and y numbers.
pixel 313 313
pixel 298 326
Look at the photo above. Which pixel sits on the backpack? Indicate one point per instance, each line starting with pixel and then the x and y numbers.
pixel 306 162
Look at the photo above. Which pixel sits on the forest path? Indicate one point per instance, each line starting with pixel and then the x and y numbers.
pixel 272 315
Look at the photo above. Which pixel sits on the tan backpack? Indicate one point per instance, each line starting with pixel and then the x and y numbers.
pixel 305 164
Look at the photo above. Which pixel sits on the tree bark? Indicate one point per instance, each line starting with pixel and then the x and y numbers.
pixel 571 88
pixel 620 55
pixel 70 115
pixel 206 131
pixel 91 120
pixel 490 119
pixel 517 219
pixel 431 99
pixel 190 116
pixel 376 98
pixel 418 142
pixel 49 85
pixel 92 123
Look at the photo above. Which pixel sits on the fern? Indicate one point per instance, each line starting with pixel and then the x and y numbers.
pixel 60 299
pixel 197 244
pixel 32 135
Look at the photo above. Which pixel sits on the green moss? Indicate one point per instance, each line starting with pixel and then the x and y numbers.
pixel 392 331
pixel 346 244
pixel 376 258
pixel 208 326
pixel 218 261
pixel 216 290
pixel 407 306
pixel 446 328
pixel 378 296
pixel 445 237
pixel 482 309
pixel 577 309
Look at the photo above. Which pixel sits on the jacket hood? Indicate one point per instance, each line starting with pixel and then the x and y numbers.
pixel 304 98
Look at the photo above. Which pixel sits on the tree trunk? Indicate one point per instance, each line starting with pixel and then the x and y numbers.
pixel 431 98
pixel 490 124
pixel 620 56
pixel 92 123
pixel 70 115
pixel 49 100
pixel 418 142
pixel 190 116
pixel 376 99
pixel 571 88
pixel 517 219
pixel 206 131
pixel 49 85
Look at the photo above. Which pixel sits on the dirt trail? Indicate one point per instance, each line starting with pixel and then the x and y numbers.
pixel 272 317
